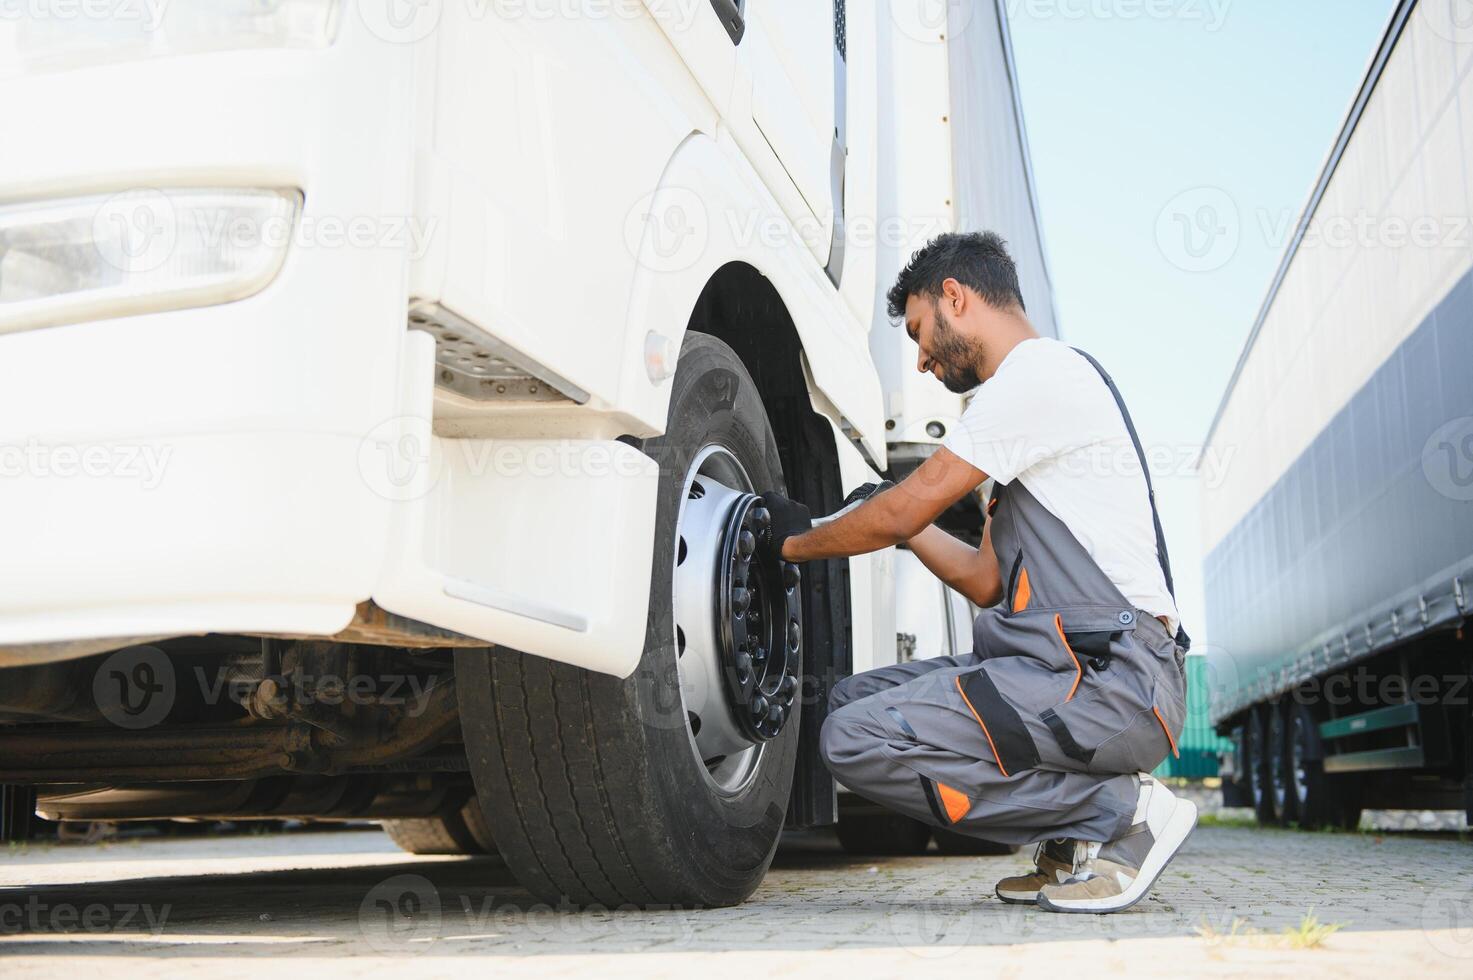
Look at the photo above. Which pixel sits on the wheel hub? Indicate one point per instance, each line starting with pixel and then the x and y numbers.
pixel 738 620
pixel 759 622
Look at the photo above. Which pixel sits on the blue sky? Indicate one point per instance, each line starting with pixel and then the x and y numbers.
pixel 1155 126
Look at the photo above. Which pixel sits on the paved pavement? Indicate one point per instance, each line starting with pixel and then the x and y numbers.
pixel 349 904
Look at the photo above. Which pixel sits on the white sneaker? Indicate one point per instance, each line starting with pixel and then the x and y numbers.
pixel 1115 875
pixel 1053 863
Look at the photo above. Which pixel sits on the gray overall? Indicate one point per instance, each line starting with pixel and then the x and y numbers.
pixel 1039 732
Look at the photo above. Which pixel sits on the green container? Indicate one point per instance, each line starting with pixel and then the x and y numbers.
pixel 1198 743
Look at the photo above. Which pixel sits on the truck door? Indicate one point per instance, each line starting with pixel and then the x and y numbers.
pixel 775 71
pixel 785 108
pixel 706 34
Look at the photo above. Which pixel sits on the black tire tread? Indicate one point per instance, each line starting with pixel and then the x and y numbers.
pixel 564 767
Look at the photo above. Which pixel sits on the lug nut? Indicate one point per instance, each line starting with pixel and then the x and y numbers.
pixel 788 687
pixel 775 715
pixel 759 706
pixel 743 662
pixel 795 635
pixel 762 516
pixel 791 575
pixel 740 599
pixel 746 542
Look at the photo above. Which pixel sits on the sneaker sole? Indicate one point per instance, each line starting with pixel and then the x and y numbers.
pixel 1017 898
pixel 1178 828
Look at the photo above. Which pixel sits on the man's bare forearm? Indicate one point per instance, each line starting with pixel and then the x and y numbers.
pixel 971 571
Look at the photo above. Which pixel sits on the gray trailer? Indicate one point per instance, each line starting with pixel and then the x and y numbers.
pixel 1339 537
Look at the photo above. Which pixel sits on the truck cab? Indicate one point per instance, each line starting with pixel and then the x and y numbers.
pixel 389 390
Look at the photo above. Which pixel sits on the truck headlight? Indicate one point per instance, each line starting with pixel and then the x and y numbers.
pixel 91 258
pixel 45 35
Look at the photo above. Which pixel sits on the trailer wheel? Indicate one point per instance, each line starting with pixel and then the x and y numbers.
pixel 1280 763
pixel 1256 763
pixel 668 787
pixel 462 831
pixel 1319 799
pixel 882 834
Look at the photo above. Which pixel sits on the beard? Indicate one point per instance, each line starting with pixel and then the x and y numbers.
pixel 957 355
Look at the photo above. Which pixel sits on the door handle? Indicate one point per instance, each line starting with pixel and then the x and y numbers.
pixel 729 12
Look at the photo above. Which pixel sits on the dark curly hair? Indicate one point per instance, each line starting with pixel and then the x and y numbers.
pixel 976 259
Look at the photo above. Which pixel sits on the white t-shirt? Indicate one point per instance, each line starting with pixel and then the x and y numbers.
pixel 1047 419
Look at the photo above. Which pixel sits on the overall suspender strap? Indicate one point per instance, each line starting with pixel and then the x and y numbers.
pixel 1182 640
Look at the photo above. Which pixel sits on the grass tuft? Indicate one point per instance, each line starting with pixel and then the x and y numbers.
pixel 1311 933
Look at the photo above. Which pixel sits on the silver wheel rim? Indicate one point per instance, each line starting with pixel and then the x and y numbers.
pixel 1278 775
pixel 727 757
pixel 1299 739
pixel 1256 760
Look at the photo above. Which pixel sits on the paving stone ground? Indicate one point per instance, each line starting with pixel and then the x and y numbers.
pixel 350 904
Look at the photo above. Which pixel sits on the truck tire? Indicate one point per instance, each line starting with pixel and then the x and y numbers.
pixel 1347 802
pixel 607 791
pixel 1467 767
pixel 882 835
pixel 1281 763
pixel 462 831
pixel 1255 764
pixel 1320 800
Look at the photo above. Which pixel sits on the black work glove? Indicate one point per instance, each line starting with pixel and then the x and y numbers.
pixel 788 518
pixel 865 491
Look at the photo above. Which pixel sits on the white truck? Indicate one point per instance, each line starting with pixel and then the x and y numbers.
pixel 385 386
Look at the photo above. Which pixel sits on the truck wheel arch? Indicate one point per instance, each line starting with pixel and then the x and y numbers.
pixel 741 307
pixel 738 229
